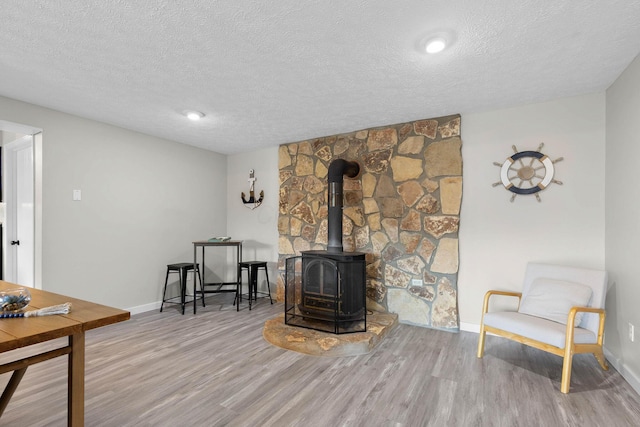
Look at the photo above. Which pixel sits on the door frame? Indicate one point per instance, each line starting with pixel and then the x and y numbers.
pixel 36 133
pixel 15 226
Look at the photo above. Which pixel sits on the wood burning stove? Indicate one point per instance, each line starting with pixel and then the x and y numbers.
pixel 325 290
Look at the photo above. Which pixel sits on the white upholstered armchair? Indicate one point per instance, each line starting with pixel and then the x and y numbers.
pixel 561 311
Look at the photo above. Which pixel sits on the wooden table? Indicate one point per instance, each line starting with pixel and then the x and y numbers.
pixel 229 243
pixel 22 332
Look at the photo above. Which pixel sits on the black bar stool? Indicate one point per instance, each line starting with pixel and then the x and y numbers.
pixel 252 268
pixel 182 269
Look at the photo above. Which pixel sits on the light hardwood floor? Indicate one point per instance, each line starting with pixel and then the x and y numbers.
pixel 215 369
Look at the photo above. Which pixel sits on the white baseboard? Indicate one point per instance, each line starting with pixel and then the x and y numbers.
pixel 143 308
pixel 627 373
pixel 470 327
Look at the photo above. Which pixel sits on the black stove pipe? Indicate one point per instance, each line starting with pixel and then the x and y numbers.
pixel 337 169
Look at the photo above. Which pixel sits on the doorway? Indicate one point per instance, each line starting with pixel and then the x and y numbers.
pixel 20 204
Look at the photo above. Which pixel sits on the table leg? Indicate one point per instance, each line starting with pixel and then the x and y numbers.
pixel 11 388
pixel 195 264
pixel 75 392
pixel 239 278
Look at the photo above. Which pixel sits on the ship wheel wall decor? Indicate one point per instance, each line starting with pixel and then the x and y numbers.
pixel 527 172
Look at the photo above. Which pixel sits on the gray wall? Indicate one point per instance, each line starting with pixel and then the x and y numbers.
pixel 258 228
pixel 622 219
pixel 499 237
pixel 144 200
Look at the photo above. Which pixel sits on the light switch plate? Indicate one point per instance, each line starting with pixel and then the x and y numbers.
pixel 77 195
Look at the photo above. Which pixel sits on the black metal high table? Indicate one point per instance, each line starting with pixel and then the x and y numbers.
pixel 220 285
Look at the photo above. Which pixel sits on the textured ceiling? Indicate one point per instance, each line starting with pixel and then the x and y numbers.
pixel 271 72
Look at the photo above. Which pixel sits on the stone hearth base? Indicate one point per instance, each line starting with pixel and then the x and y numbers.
pixel 316 343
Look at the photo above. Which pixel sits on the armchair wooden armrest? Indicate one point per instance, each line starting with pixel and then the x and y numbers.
pixel 489 294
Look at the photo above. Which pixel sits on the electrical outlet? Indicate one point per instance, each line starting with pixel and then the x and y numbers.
pixel 416 282
pixel 631 332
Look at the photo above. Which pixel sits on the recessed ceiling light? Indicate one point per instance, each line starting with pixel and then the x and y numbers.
pixel 194 115
pixel 436 45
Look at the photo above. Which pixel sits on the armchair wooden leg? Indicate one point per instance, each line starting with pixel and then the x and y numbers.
pixel 601 360
pixel 481 341
pixel 565 383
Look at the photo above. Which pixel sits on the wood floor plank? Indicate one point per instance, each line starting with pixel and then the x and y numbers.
pixel 215 369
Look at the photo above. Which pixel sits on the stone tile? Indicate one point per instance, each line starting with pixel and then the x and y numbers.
pixel 352 184
pixel 321 170
pixel 341 145
pixel 450 128
pixel 426 249
pixel 324 153
pixel 283 200
pixel 412 221
pixel 300 244
pixel 296 226
pixel 376 290
pixel 361 237
pixel 370 206
pixel 410 310
pixel 362 134
pixel 323 212
pixel 425 292
pixel 283 225
pixel 410 192
pixel 297 183
pixel 377 162
pixel 390 226
pixel 406 168
pixel 284 159
pixel 374 270
pixel 285 175
pixel 438 226
pixel 305 148
pixel 296 197
pixel 373 221
pixel 386 187
pixel 410 241
pixel 284 246
pixel 379 240
pixel 308 232
pixel 430 185
pixel 304 165
pixel 404 131
pixel 368 184
pixel 446 258
pixel 443 158
pixel 382 139
pixel 412 264
pixel 303 211
pixel 356 214
pixel 427 128
pixel 352 198
pixel 412 145
pixel 391 253
pixel 322 234
pixel 394 277
pixel 445 312
pixel 451 195
pixel 428 204
pixel 391 207
pixel 313 185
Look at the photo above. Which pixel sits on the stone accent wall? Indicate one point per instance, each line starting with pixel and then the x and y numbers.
pixel 403 211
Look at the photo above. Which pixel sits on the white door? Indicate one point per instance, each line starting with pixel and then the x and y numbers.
pixel 19 198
